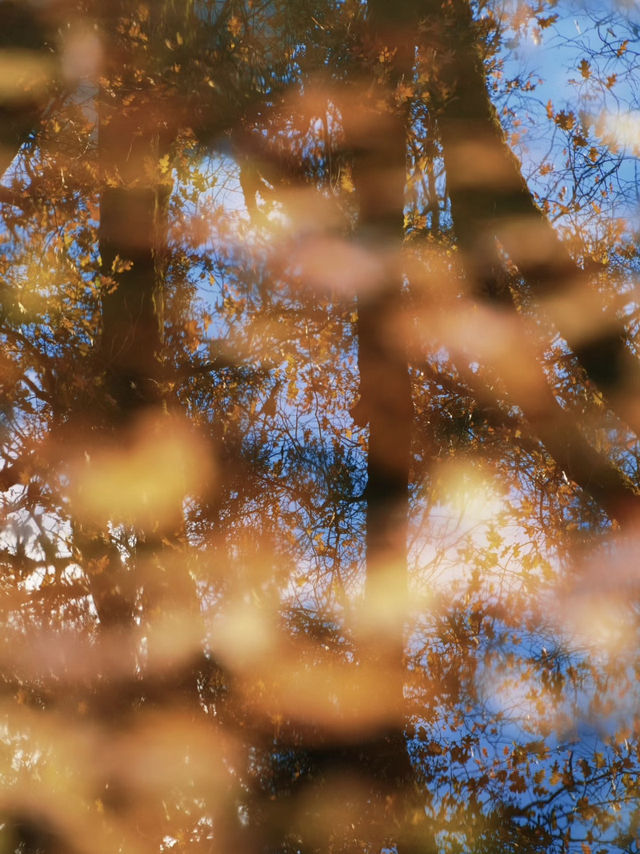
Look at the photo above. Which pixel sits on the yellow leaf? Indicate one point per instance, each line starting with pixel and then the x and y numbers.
pixel 566 121
pixel 234 26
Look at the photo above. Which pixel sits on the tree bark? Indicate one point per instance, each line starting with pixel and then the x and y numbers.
pixel 497 203
pixel 378 143
pixel 491 206
pixel 21 29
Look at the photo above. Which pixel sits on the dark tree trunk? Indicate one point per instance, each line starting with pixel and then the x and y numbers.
pixel 21 29
pixel 137 127
pixel 483 210
pixel 132 210
pixel 378 146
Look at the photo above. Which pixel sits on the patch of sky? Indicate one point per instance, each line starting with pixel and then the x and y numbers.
pixel 235 257
pixel 578 64
pixel 501 742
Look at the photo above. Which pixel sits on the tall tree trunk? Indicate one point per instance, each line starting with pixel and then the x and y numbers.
pixel 384 808
pixel 133 135
pixel 128 353
pixel 385 404
pixel 378 143
pixel 488 203
pixel 24 38
pixel 485 208
pixel 137 126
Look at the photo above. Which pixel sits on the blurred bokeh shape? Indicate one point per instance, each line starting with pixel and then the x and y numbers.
pixel 474 495
pixel 244 633
pixel 337 266
pixel 28 71
pixel 620 129
pixel 24 75
pixel 301 680
pixel 144 478
pixel 163 752
pixel 596 604
pixel 312 687
pixel 81 52
pixel 50 783
pixel 475 163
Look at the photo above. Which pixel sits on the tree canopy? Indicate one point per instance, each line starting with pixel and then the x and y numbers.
pixel 320 426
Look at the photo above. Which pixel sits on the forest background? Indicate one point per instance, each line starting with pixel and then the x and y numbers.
pixel 319 425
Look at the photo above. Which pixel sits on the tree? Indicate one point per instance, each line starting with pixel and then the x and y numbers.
pixel 319 429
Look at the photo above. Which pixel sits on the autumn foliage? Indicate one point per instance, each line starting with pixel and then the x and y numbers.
pixel 319 419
